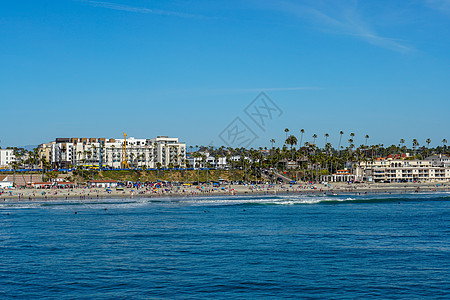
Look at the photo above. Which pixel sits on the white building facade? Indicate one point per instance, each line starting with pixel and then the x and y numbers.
pixel 162 152
pixel 206 160
pixel 398 170
pixel 7 157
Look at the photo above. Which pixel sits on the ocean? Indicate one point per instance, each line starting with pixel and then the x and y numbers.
pixel 245 247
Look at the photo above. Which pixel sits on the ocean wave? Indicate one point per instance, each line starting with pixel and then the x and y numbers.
pixel 225 201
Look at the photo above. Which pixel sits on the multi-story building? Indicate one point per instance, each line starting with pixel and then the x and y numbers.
pixel 6 157
pixel 151 153
pixel 168 151
pixel 44 153
pixel 399 170
pixel 205 160
pixel 439 160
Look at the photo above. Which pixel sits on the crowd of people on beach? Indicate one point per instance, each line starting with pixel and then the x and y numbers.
pixel 138 189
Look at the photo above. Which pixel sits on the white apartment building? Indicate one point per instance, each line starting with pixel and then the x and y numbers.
pixel 208 161
pixel 112 153
pixel 6 158
pixel 398 170
pixel 168 151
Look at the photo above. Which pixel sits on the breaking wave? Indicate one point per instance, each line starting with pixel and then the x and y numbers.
pixel 224 201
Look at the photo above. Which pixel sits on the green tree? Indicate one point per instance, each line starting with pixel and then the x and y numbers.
pixel 302 131
pixel 340 139
pixel 286 130
pixel 272 141
pixel 415 144
pixel 291 140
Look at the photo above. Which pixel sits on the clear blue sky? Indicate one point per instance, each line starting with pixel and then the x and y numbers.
pixel 74 68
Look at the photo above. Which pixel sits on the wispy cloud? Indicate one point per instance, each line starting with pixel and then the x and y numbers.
pixel 343 18
pixel 142 10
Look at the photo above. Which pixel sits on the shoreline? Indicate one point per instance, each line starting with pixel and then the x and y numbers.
pixel 334 189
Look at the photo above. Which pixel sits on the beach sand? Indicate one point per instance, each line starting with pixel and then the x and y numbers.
pixel 30 194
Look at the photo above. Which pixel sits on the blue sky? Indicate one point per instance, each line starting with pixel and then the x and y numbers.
pixel 80 68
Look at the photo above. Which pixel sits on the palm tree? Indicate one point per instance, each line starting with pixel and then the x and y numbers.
pixel 444 141
pixel 402 148
pixel 291 140
pixel 340 139
pixel 350 144
pixel 428 141
pixel 415 144
pixel 367 137
pixel 86 154
pixel 158 166
pixel 286 130
pixel 133 163
pixel 272 141
pixel 45 166
pixel 326 138
pixel 170 169
pixel 79 157
pixel 302 131
pixel 15 166
pixel 314 137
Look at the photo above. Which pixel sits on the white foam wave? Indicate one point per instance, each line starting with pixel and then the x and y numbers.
pixel 130 203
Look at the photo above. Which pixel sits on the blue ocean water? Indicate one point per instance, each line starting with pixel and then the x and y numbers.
pixel 371 246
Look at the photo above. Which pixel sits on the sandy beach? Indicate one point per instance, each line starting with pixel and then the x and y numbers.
pixel 30 194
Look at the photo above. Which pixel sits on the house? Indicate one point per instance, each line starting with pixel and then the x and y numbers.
pixel 6 182
pixel 102 183
pixel 439 160
pixel 341 176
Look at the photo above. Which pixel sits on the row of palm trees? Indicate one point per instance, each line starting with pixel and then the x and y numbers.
pixel 415 142
pixel 312 162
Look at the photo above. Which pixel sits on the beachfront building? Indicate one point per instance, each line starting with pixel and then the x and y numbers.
pixel 339 176
pixel 7 157
pixel 162 152
pixel 402 170
pixel 6 181
pixel 44 153
pixel 194 161
pixel 168 152
pixel 102 183
pixel 206 160
pixel 439 160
